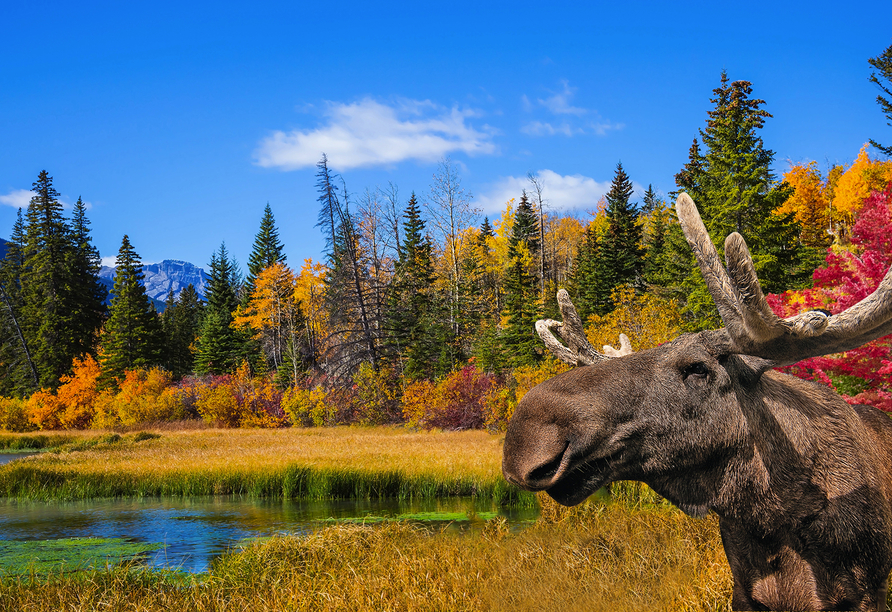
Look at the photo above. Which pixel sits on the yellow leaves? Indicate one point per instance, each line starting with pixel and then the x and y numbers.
pixel 306 406
pixel 856 183
pixel 14 415
pixel 647 320
pixel 272 304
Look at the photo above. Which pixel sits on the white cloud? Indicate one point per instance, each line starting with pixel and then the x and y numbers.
pixel 561 192
pixel 573 120
pixel 17 198
pixel 559 103
pixel 539 128
pixel 369 133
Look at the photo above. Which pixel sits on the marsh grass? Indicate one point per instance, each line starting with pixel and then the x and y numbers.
pixel 318 463
pixel 47 557
pixel 602 557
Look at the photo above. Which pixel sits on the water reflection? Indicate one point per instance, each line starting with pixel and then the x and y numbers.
pixel 7 457
pixel 196 530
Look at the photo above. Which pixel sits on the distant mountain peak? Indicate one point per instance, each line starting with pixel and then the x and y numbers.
pixel 164 277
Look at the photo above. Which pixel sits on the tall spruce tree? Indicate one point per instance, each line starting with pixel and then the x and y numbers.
pixel 132 336
pixel 218 345
pixel 18 375
pixel 735 191
pixel 414 328
pixel 521 288
pixel 88 292
pixel 50 309
pixel 268 249
pixel 619 258
pixel 883 79
pixel 180 321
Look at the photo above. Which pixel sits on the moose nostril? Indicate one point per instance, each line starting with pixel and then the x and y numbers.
pixel 546 471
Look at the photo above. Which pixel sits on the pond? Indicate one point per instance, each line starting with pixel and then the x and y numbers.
pixel 196 530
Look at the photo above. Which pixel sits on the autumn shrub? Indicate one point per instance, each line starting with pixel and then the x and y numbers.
pixel 142 398
pixel 850 274
pixel 77 394
pixel 305 407
pixel 14 415
pixel 502 399
pixel 376 396
pixel 44 410
pixel 455 403
pixel 238 400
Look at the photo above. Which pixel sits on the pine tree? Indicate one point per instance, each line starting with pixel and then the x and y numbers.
pixel 181 320
pixel 268 249
pixel 218 344
pixel 88 292
pixel 883 63
pixel 619 258
pixel 132 336
pixel 48 321
pixel 18 375
pixel 583 280
pixel 521 288
pixel 650 201
pixel 415 330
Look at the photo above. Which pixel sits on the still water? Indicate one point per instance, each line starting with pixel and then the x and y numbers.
pixel 196 530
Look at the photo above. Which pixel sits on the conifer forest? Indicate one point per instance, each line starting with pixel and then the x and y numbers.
pixel 421 310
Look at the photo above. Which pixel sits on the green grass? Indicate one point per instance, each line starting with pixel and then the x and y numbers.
pixel 46 557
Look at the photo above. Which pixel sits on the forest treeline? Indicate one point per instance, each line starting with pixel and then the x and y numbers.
pixel 420 311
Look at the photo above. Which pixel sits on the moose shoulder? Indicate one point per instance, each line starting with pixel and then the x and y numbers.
pixel 801 480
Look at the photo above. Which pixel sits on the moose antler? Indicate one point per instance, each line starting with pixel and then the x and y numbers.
pixel 752 328
pixel 578 350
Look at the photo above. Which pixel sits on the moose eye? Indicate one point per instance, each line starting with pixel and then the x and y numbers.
pixel 697 370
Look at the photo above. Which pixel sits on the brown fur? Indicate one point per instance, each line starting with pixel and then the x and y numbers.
pixel 801 480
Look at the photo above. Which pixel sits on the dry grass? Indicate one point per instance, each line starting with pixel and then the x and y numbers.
pixel 602 558
pixel 316 463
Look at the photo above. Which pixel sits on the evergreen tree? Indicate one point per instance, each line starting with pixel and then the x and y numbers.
pixel 268 249
pixel 583 280
pixel 180 321
pixel 88 292
pixel 883 64
pixel 650 201
pixel 619 258
pixel 415 330
pixel 521 288
pixel 132 336
pixel 18 376
pixel 218 344
pixel 49 312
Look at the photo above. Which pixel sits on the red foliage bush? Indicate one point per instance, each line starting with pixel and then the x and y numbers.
pixel 850 275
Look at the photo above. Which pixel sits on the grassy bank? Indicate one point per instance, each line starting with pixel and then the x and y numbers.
pixel 603 557
pixel 323 463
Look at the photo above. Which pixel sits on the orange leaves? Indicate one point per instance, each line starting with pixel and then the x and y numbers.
pixel 856 183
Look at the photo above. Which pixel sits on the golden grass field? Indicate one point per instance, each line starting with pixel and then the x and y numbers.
pixel 604 557
pixel 315 463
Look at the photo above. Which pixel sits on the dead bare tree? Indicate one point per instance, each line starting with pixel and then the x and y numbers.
pixel 801 481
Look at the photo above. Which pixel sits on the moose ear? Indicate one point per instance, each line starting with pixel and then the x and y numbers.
pixel 747 368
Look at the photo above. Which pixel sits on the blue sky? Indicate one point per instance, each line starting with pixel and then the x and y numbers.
pixel 178 122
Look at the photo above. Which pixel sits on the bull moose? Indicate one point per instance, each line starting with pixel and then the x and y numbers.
pixel 801 481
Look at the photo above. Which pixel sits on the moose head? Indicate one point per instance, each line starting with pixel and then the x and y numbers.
pixel 801 481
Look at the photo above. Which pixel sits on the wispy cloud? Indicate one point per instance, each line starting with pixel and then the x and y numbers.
pixel 17 198
pixel 369 133
pixel 559 103
pixel 572 120
pixel 562 192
